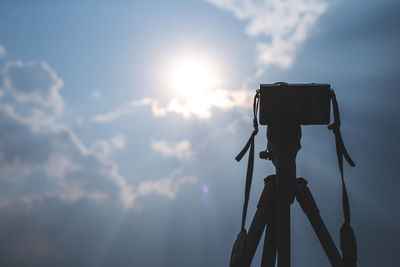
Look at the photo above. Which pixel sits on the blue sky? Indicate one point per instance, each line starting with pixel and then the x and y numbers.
pixel 120 122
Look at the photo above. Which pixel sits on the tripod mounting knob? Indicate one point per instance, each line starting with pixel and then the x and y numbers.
pixel 265 154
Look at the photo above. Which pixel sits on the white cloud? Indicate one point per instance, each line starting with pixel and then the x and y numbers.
pixel 127 196
pixel 118 141
pixel 46 137
pixel 103 148
pixel 73 170
pixel 181 150
pixel 200 107
pixel 167 186
pixel 59 144
pixel 128 108
pixel 283 24
pixel 58 169
pixel 58 166
pixel 34 82
pixel 2 51
pixel 110 116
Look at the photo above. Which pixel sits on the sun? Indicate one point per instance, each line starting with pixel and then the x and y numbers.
pixel 193 83
pixel 193 76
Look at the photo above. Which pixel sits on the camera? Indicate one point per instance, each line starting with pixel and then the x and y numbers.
pixel 294 104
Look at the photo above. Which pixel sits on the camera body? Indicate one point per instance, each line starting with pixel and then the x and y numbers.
pixel 294 104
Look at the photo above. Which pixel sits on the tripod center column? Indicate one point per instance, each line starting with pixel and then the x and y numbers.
pixel 283 144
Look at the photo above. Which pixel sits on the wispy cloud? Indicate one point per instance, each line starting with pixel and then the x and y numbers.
pixel 58 169
pixel 130 195
pixel 118 141
pixel 181 150
pixel 200 107
pixel 71 167
pixel 34 82
pixel 36 143
pixel 103 148
pixel 282 24
pixel 128 108
pixel 168 186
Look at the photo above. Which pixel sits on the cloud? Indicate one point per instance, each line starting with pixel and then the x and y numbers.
pixel 2 51
pixel 58 166
pixel 168 186
pixel 103 148
pixel 200 106
pixel 118 141
pixel 58 169
pixel 34 82
pixel 181 150
pixel 128 108
pixel 43 159
pixel 72 171
pixel 283 26
pixel 38 120
pixel 14 169
pixel 280 26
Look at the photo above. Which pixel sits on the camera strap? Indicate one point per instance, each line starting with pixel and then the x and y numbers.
pixel 250 164
pixel 239 246
pixel 348 244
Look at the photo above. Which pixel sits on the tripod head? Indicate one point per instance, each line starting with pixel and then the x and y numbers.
pixel 283 145
pixel 282 135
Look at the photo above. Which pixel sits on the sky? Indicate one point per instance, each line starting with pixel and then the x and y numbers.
pixel 120 122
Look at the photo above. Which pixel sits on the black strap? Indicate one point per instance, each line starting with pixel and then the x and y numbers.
pixel 347 242
pixel 250 164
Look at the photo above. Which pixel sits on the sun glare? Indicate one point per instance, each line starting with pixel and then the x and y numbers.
pixel 193 77
pixel 193 83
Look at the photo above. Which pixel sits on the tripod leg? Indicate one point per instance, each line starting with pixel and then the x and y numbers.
pixel 265 209
pixel 309 207
pixel 254 235
pixel 283 227
pixel 269 252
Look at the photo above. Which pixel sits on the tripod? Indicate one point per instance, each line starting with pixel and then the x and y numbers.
pixel 273 209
